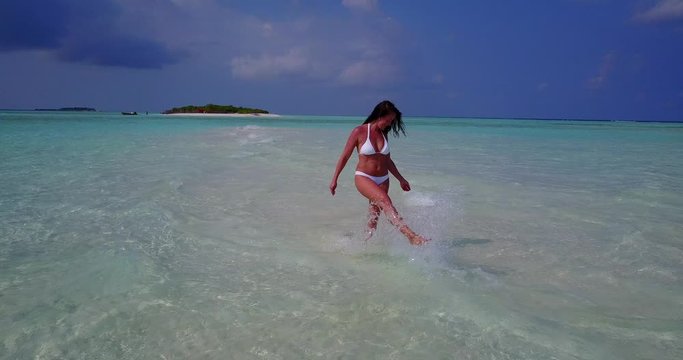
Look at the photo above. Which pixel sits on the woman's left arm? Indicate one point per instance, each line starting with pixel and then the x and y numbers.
pixel 394 171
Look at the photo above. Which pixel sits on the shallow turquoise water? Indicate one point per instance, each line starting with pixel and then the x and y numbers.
pixel 176 238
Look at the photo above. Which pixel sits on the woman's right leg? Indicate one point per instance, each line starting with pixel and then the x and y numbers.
pixel 373 216
pixel 374 210
pixel 374 193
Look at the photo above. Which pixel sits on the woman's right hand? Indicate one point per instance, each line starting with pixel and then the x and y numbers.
pixel 333 186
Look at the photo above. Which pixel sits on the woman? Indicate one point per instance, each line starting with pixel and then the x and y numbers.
pixel 374 166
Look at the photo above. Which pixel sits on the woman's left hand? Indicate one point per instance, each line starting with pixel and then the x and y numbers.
pixel 404 185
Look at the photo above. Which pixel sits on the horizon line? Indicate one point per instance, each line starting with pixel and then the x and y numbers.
pixel 425 116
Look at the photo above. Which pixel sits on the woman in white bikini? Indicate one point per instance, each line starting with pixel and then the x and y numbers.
pixel 372 172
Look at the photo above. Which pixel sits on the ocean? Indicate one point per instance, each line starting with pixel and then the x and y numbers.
pixel 156 237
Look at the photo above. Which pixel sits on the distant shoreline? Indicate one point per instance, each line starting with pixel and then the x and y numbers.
pixel 363 116
pixel 222 115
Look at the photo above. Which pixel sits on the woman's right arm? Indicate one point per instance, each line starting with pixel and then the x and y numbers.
pixel 344 157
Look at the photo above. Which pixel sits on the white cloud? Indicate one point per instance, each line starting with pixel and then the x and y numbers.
pixel 606 68
pixel 664 10
pixel 437 79
pixel 542 86
pixel 365 5
pixel 267 29
pixel 269 66
pixel 247 46
pixel 368 72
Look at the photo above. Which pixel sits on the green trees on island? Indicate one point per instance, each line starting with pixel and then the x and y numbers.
pixel 214 109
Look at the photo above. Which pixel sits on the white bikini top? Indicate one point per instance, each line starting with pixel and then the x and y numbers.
pixel 368 149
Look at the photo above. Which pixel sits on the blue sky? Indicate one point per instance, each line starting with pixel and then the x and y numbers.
pixel 588 59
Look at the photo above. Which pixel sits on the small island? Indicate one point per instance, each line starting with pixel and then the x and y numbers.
pixel 215 109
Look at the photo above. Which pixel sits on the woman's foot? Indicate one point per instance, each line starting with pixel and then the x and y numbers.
pixel 368 234
pixel 413 237
pixel 416 239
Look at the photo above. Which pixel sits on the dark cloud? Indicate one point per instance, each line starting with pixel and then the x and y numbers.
pixel 79 31
pixel 121 51
pixel 32 24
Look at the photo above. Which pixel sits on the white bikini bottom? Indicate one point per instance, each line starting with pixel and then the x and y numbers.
pixel 377 179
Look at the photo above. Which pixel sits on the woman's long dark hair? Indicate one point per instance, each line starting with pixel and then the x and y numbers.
pixel 384 108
